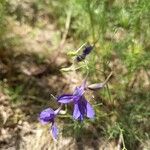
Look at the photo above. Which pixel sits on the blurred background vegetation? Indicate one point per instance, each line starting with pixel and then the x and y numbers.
pixel 35 36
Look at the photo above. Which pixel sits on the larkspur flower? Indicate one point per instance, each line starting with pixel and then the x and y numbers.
pixel 48 116
pixel 82 107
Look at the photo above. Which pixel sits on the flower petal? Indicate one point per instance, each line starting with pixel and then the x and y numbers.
pixel 46 116
pixel 76 112
pixel 64 99
pixel 42 121
pixel 54 131
pixel 79 91
pixel 90 111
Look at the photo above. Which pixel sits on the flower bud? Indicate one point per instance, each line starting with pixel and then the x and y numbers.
pixel 87 50
pixel 95 86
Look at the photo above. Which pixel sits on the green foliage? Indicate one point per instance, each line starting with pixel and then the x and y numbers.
pixel 14 93
pixel 2 18
pixel 6 39
pixel 122 30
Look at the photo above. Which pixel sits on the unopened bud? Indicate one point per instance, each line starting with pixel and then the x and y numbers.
pixel 95 86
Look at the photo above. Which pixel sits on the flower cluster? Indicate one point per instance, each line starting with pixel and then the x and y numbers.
pixel 82 108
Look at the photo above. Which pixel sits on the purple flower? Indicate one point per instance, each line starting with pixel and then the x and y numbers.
pixel 48 116
pixel 82 107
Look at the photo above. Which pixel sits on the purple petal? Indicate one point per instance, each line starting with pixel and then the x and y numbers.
pixel 79 91
pixel 82 107
pixel 90 110
pixel 42 121
pixel 76 112
pixel 46 116
pixel 64 99
pixel 54 130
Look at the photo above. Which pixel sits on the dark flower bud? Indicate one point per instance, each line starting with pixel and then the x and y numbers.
pixel 95 86
pixel 87 50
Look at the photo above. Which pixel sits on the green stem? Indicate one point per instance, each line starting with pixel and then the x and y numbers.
pixel 91 20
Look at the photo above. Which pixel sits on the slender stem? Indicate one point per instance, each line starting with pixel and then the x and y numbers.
pixel 81 47
pixel 107 87
pixel 91 20
pixel 53 96
pixel 122 139
pixel 124 147
pixel 107 78
pixel 67 26
pixel 58 109
pixel 109 94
